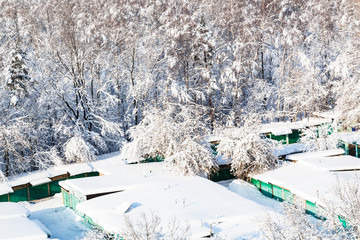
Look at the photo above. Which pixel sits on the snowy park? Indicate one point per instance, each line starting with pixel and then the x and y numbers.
pixel 178 119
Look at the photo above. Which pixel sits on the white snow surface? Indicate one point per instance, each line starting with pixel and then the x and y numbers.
pixel 75 169
pixel 40 181
pixel 12 210
pixel 5 188
pixel 21 228
pixel 100 184
pixel 43 176
pixel 283 128
pixel 62 222
pixel 289 149
pixel 349 137
pixel 313 155
pixel 339 163
pixel 328 114
pixel 310 183
pixel 195 200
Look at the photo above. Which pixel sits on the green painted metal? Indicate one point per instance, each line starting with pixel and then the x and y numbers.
pixel 311 208
pixel 66 198
pixel 77 176
pixel 19 195
pixel 295 136
pixel 222 174
pixel 93 174
pixel 278 193
pixel 4 198
pixel 255 182
pixel 288 196
pixel 39 192
pixel 281 138
pixel 153 159
pixel 54 187
pixel 266 189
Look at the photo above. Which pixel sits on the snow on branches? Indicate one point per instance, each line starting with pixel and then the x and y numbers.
pixel 319 138
pixel 78 150
pixel 249 153
pixel 175 133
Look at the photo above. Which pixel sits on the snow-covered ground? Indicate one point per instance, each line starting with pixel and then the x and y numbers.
pixel 62 222
pixel 232 208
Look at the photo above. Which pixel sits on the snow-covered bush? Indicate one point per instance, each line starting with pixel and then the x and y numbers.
pixel 175 133
pixel 150 227
pixel 249 153
pixel 47 159
pixel 78 150
pixel 319 138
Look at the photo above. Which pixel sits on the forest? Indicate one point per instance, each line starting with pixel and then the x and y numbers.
pixel 155 77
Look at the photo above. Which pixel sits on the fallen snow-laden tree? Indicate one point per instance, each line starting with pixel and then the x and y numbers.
pixel 175 133
pixel 248 151
pixel 294 223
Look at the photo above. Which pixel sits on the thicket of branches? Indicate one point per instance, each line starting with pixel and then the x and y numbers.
pixel 79 74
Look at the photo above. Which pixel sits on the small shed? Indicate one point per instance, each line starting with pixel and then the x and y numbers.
pixel 305 180
pixel 75 191
pixel 290 132
pixel 41 184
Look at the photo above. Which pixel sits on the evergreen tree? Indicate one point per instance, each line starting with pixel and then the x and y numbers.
pixel 19 76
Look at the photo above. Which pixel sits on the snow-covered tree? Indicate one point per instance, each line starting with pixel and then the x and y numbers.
pixel 248 151
pixel 175 133
pixel 78 151
pixel 319 138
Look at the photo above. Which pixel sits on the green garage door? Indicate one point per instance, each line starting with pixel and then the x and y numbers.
pixel 278 193
pixel 19 195
pixel 288 196
pixel 255 182
pixel 66 198
pixel 266 189
pixel 4 198
pixel 38 192
pixel 74 201
pixel 311 208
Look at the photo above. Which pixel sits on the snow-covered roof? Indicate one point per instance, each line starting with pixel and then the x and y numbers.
pixel 21 228
pixel 220 160
pixel 314 155
pixel 76 169
pixel 5 188
pixel 310 183
pixel 196 200
pixel 328 114
pixel 40 181
pixel 289 149
pixel 339 163
pixel 276 128
pixel 43 176
pixel 349 137
pixel 283 128
pixel 95 185
pixel 12 210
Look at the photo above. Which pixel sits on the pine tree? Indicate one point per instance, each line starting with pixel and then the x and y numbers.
pixel 19 76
